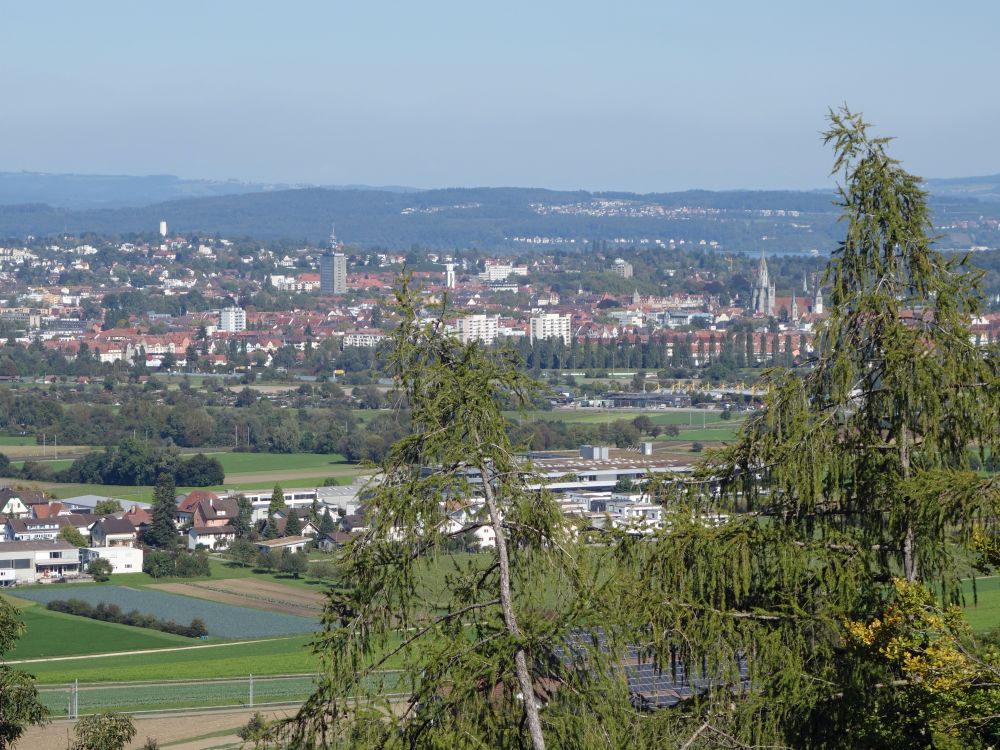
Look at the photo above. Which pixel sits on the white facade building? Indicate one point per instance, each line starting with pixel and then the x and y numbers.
pixel 550 326
pixel 232 320
pixel 482 328
pixel 122 559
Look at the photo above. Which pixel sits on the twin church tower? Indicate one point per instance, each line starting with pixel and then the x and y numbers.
pixel 763 298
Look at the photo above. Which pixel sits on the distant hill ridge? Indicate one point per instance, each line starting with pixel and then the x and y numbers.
pixel 444 218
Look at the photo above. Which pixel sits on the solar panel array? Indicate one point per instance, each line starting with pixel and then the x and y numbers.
pixel 651 686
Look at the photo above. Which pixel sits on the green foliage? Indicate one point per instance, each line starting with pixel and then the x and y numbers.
pixel 242 522
pixel 72 535
pixel 271 528
pixel 135 462
pixel 293 563
pixel 104 731
pixel 277 500
pixel 170 563
pixel 158 564
pixel 242 551
pixel 108 506
pixel 253 730
pixel 327 524
pixel 855 471
pixel 265 560
pixel 20 704
pixel 100 569
pixel 293 527
pixel 162 531
pixel 497 629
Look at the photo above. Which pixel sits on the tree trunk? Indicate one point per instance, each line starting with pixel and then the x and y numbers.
pixel 910 568
pixel 510 619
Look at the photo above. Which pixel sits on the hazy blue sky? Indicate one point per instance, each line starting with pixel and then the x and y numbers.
pixel 622 95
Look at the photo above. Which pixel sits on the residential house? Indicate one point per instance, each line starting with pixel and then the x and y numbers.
pixel 212 537
pixel 113 532
pixel 353 523
pixel 186 505
pixel 333 541
pixel 33 529
pixel 140 518
pixel 215 511
pixel 18 502
pixel 291 543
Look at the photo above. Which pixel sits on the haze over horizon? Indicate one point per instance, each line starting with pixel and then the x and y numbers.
pixel 647 98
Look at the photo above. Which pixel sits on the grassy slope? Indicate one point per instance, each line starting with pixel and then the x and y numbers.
pixel 17 440
pixel 57 634
pixel 983 613
pixel 236 463
pixel 274 656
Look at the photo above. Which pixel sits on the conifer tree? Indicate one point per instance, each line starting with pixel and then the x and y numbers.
pixel 242 522
pixel 277 499
pixel 162 531
pixel 857 471
pixel 326 524
pixel 293 527
pixel 271 528
pixel 799 582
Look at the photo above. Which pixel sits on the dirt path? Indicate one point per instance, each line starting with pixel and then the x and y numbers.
pixel 182 732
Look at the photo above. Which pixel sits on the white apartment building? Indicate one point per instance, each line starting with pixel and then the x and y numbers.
pixel 550 326
pixel 500 271
pixel 232 320
pixel 482 328
pixel 366 337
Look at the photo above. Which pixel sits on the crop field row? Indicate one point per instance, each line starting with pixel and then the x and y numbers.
pixel 245 592
pixel 222 620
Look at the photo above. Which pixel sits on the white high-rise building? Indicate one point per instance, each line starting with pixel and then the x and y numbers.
pixel 550 326
pixel 232 319
pixel 449 275
pixel 482 328
pixel 163 229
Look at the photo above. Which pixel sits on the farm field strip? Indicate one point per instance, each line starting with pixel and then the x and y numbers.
pixel 225 595
pixel 252 586
pixel 58 635
pixel 261 657
pixel 222 620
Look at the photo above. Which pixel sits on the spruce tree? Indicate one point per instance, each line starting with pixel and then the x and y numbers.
pixel 327 524
pixel 271 528
pixel 162 531
pixel 293 527
pixel 855 473
pixel 242 522
pixel 277 500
